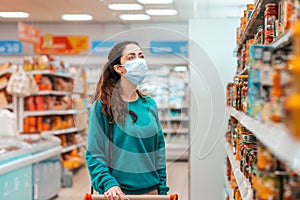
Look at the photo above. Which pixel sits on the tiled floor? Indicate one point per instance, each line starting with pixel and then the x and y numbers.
pixel 177 180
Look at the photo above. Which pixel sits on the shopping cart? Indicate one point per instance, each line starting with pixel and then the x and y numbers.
pixel 134 197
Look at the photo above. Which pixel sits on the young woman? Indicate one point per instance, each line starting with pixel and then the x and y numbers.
pixel 126 148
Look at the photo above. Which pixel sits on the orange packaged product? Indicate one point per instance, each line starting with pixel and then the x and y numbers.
pixel 39 124
pixel 26 124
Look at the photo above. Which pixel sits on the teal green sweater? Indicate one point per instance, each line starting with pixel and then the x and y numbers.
pixel 138 165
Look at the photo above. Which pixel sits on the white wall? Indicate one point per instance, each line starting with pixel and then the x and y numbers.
pixel 142 33
pixel 212 65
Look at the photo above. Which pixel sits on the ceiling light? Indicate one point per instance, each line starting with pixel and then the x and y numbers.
pixel 125 6
pixel 180 69
pixel 155 1
pixel 14 14
pixel 161 12
pixel 77 17
pixel 134 17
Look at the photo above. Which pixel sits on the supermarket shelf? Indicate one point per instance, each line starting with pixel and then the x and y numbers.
pixel 52 112
pixel 172 107
pixel 243 72
pixel 70 148
pixel 275 136
pixel 9 106
pixel 255 21
pixel 228 187
pixel 3 86
pixel 52 92
pixel 63 131
pixel 179 118
pixel 48 72
pixel 6 71
pixel 242 182
pixel 179 131
pixel 177 151
pixel 283 40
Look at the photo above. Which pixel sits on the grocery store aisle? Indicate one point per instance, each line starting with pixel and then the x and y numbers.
pixel 177 180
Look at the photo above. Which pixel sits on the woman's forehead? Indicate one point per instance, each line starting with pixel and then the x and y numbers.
pixel 131 48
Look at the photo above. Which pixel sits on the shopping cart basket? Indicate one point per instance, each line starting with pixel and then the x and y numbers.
pixel 134 197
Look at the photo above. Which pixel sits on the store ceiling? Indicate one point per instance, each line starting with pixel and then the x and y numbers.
pixel 52 10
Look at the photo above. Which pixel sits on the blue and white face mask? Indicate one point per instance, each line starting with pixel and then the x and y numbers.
pixel 136 70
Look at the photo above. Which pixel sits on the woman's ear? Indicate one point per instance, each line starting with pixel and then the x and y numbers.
pixel 120 69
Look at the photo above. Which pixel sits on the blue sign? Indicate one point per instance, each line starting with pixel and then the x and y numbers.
pixel 102 47
pixel 10 47
pixel 169 47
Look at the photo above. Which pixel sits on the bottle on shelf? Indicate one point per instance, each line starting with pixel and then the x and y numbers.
pixel 276 102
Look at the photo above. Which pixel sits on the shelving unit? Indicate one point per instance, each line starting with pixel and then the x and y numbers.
pixel 6 71
pixel 275 136
pixel 49 73
pixel 228 188
pixel 63 131
pixel 170 91
pixel 52 112
pixel 242 182
pixel 51 92
pixel 284 40
pixel 3 86
pixel 71 147
pixel 255 21
pixel 69 135
pixel 271 137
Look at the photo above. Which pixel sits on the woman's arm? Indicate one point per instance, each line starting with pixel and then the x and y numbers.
pixel 95 154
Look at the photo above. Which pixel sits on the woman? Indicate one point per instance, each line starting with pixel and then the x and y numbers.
pixel 133 160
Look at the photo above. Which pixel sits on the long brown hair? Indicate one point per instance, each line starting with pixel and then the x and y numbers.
pixel 108 88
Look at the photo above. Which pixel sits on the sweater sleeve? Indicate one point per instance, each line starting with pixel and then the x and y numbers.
pixel 161 159
pixel 95 154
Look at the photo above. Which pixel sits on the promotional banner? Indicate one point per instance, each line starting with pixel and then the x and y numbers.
pixel 10 47
pixel 102 47
pixel 29 34
pixel 168 47
pixel 50 44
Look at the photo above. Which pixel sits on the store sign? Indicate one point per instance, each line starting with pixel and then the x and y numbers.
pixel 29 34
pixel 168 47
pixel 10 47
pixel 102 47
pixel 62 44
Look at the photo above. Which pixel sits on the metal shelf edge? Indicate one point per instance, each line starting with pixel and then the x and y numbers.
pixel 242 182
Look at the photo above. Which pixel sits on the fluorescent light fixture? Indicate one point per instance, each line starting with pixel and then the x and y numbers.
pixel 134 17
pixel 125 6
pixel 155 1
pixel 161 12
pixel 14 14
pixel 180 69
pixel 77 17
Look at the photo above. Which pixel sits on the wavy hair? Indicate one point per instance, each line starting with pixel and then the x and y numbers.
pixel 108 88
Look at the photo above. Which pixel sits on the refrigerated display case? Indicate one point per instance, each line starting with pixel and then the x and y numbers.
pixel 46 173
pixel 16 178
pixel 30 167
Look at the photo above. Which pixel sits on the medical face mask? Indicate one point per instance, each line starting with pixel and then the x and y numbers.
pixel 136 70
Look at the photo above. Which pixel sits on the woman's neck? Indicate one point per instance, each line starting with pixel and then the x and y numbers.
pixel 128 90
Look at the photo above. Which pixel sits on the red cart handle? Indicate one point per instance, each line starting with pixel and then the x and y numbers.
pixel 135 197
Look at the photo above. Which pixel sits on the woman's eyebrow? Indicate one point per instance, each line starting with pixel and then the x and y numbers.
pixel 133 54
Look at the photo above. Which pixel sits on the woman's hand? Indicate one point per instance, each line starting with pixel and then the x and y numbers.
pixel 114 193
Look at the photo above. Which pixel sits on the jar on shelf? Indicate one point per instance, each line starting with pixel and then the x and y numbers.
pixel 260 35
pixel 270 22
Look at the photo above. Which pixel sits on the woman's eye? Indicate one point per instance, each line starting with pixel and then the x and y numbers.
pixel 141 56
pixel 130 58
